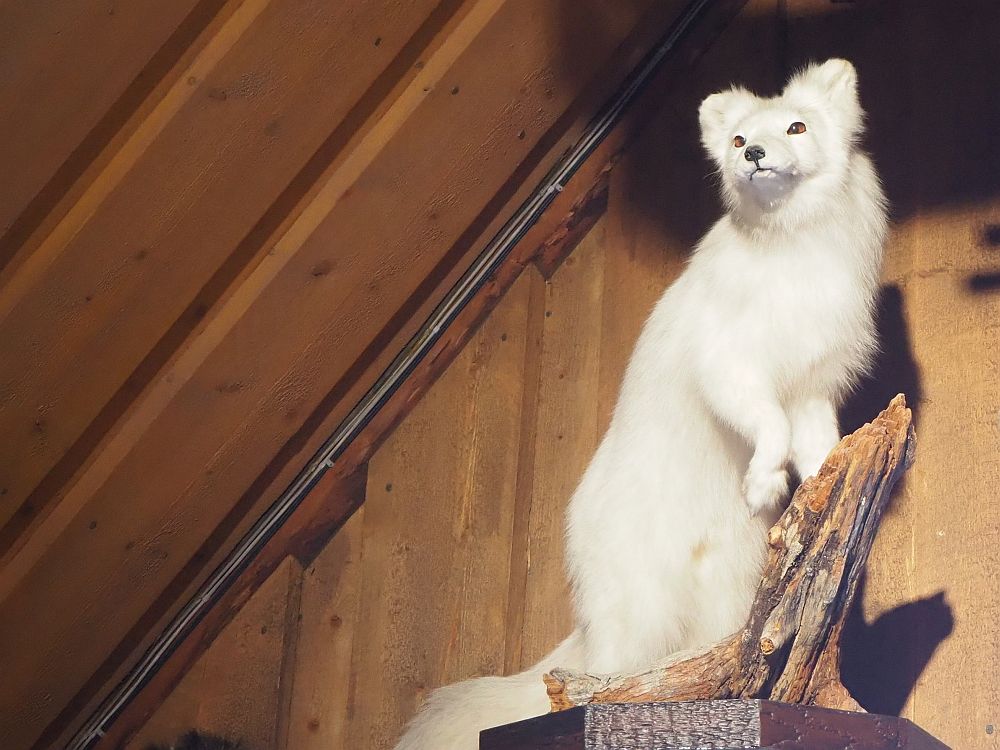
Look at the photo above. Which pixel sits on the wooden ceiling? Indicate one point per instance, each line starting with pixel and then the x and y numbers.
pixel 220 222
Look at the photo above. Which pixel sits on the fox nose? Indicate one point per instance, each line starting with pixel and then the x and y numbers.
pixel 754 154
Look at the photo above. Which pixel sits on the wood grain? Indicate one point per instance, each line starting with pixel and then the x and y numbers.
pixel 565 434
pixel 65 96
pixel 437 534
pixel 526 477
pixel 750 724
pixel 336 495
pixel 89 305
pixel 322 705
pixel 248 670
pixel 172 685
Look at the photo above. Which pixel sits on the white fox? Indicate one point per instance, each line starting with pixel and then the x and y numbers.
pixel 737 373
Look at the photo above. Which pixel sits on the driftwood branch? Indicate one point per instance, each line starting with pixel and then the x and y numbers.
pixel 789 650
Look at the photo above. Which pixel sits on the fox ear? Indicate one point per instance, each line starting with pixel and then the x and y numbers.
pixel 832 84
pixel 719 113
pixel 832 89
pixel 835 79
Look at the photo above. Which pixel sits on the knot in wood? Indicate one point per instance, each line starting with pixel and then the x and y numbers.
pixel 775 537
pixel 556 689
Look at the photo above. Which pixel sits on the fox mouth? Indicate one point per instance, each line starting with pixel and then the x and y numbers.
pixel 759 170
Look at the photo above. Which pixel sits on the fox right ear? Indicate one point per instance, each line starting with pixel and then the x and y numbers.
pixel 719 113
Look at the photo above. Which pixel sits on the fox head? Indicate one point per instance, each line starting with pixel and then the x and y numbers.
pixel 788 150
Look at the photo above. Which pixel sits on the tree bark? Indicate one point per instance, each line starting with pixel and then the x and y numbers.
pixel 789 650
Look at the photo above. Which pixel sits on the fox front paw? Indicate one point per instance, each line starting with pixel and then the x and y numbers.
pixel 763 490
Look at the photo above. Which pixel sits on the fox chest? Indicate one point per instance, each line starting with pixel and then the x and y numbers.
pixel 787 317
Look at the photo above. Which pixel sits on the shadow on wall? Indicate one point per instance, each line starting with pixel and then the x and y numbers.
pixel 987 282
pixel 879 666
pixel 895 369
pixel 929 102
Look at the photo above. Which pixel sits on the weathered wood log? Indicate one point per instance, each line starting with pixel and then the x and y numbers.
pixel 789 650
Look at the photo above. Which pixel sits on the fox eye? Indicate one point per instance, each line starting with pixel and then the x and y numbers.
pixel 796 128
pixel 739 141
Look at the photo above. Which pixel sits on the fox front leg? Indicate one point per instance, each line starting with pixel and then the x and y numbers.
pixel 749 404
pixel 815 433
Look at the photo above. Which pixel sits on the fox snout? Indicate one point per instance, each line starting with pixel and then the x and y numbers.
pixel 754 154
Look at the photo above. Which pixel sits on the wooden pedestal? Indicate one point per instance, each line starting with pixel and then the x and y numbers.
pixel 708 725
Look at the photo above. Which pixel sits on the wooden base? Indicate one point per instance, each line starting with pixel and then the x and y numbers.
pixel 701 725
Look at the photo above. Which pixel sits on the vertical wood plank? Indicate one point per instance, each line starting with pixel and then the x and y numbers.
pixel 177 714
pixel 954 539
pixel 320 710
pixel 566 433
pixel 437 533
pixel 526 469
pixel 242 693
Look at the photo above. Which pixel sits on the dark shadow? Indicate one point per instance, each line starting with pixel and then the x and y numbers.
pixel 895 369
pixel 881 661
pixel 984 282
pixel 195 740
pixel 921 90
pixel 991 235
pixel 924 93
pixel 987 282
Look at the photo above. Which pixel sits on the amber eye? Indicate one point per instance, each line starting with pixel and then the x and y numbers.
pixel 796 128
pixel 739 141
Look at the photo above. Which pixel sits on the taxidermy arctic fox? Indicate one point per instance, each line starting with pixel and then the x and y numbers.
pixel 736 376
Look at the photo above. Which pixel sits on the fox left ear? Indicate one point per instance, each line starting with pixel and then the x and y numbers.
pixel 834 82
pixel 837 78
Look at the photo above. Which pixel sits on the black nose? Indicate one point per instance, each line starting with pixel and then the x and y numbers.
pixel 754 153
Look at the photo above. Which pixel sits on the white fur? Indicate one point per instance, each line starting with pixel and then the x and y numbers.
pixel 736 374
pixel 453 715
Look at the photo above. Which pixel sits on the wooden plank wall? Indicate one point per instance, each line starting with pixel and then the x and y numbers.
pixel 925 642
pixel 220 220
pixel 454 566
